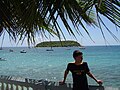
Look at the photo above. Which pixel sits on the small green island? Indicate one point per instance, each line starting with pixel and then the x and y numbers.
pixel 58 44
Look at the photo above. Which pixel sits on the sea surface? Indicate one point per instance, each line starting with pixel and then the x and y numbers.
pixel 37 63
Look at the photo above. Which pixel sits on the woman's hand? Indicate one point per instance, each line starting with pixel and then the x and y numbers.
pixel 100 82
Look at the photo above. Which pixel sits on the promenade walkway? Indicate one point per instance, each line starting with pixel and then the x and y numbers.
pixel 18 83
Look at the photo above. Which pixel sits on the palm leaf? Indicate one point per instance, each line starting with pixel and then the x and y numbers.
pixel 24 18
pixel 111 10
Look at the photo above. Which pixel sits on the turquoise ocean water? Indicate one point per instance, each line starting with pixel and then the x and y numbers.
pixel 37 63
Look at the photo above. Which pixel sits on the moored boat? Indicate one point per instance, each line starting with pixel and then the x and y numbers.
pixel 23 51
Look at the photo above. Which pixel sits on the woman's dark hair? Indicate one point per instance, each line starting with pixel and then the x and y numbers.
pixel 77 53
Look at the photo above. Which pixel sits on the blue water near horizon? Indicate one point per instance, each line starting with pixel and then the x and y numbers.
pixel 37 63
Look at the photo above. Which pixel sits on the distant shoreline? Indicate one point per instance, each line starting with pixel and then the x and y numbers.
pixel 85 46
pixel 59 44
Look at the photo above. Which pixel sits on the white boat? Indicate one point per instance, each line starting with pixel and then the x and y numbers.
pixel 22 51
pixel 82 47
pixel 68 49
pixel 2 59
pixel 49 49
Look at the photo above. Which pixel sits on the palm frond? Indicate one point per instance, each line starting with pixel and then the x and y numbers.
pixel 24 18
pixel 111 10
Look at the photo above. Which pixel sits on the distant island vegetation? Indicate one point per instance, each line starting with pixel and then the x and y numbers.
pixel 58 44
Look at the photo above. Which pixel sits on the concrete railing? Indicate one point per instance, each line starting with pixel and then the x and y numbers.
pixel 14 83
pixel 18 83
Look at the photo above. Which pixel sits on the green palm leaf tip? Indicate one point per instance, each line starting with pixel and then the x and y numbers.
pixel 111 10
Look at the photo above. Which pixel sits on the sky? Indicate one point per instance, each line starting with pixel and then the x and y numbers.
pixel 95 33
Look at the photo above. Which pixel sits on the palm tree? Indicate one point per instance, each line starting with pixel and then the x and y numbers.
pixel 25 18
